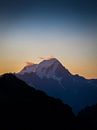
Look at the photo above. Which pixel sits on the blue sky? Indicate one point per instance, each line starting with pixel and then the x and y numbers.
pixel 64 30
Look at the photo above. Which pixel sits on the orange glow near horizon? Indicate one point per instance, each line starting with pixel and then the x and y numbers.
pixel 86 71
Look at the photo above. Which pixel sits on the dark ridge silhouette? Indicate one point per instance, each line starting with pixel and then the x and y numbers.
pixel 23 107
pixel 87 118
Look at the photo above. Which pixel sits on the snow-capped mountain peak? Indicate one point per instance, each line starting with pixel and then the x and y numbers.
pixel 50 68
pixel 47 68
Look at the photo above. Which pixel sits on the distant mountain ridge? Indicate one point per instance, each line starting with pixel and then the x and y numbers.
pixel 54 79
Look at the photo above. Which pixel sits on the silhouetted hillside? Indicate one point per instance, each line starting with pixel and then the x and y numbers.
pixel 22 107
pixel 87 118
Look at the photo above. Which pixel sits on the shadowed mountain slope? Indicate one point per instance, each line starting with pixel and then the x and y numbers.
pixel 23 107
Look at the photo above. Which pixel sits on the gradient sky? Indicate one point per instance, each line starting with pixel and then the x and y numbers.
pixel 67 30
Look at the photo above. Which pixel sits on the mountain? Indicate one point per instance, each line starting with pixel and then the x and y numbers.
pixel 53 78
pixel 51 68
pixel 29 69
pixel 23 107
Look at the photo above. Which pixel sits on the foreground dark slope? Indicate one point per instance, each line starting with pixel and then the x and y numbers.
pixel 87 118
pixel 22 107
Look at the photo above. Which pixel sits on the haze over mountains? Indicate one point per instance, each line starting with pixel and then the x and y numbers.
pixel 54 79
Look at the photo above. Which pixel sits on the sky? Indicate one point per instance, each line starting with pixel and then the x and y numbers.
pixel 65 29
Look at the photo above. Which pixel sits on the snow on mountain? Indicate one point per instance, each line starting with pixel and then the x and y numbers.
pixel 28 69
pixel 47 68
